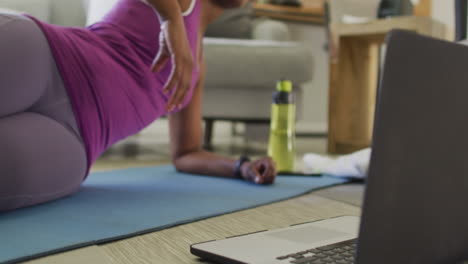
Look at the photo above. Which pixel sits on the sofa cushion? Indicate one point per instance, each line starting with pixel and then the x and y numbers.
pixel 9 11
pixel 256 103
pixel 258 64
pixel 70 13
pixel 234 23
pixel 37 8
pixel 269 29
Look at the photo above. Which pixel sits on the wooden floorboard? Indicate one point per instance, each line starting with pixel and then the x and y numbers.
pixel 88 255
pixel 349 193
pixel 172 245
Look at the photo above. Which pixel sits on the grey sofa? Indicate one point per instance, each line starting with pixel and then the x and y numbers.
pixel 61 12
pixel 245 57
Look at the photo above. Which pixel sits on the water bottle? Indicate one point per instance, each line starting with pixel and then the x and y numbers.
pixel 281 145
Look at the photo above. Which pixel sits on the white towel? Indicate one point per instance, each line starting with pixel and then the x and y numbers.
pixel 354 165
pixel 349 19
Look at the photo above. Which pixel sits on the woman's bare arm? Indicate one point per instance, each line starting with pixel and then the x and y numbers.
pixel 167 9
pixel 173 46
pixel 186 140
pixel 188 155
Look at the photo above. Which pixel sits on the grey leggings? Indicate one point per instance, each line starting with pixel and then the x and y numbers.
pixel 42 156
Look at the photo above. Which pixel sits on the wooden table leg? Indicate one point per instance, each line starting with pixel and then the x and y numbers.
pixel 354 64
pixel 353 85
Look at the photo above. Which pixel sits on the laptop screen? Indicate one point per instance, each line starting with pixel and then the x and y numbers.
pixel 414 209
pixel 461 9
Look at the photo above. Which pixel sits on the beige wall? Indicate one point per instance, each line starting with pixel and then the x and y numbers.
pixel 444 11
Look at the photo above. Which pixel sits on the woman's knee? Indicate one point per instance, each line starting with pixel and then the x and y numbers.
pixel 40 160
pixel 32 143
pixel 27 180
pixel 20 200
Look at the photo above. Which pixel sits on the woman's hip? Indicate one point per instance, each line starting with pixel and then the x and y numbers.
pixel 32 70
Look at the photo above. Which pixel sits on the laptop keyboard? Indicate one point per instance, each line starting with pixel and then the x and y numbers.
pixel 339 253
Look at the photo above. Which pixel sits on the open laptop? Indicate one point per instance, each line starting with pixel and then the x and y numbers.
pixel 415 207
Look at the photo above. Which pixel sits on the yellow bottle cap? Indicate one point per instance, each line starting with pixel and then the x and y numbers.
pixel 284 86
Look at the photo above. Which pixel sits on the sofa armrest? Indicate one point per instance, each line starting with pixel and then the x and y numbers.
pixel 38 8
pixel 268 29
pixel 236 63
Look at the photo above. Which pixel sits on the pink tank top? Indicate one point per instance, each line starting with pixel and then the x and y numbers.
pixel 106 70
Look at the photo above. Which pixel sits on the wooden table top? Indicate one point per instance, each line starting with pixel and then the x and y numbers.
pixel 312 11
pixel 383 26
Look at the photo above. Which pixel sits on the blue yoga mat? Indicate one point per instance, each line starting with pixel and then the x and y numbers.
pixel 124 203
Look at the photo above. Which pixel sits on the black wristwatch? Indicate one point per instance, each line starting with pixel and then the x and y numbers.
pixel 237 168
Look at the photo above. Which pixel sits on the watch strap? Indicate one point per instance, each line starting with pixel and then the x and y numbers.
pixel 237 168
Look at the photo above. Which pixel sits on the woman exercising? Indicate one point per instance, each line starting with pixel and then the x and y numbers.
pixel 68 94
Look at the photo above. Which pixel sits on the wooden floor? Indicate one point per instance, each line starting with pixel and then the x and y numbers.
pixel 172 245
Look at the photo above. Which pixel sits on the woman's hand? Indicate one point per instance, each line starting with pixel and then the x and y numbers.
pixel 174 45
pixel 261 171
